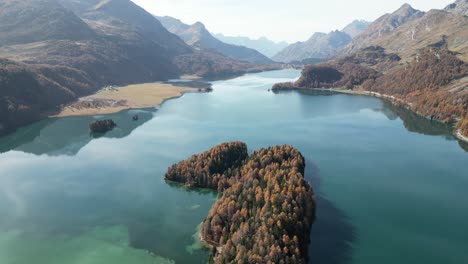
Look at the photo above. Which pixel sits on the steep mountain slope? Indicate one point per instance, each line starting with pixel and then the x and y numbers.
pixel 30 21
pixel 420 63
pixel 407 30
pixel 61 57
pixel 26 91
pixel 265 46
pixel 459 7
pixel 356 27
pixel 64 49
pixel 382 26
pixel 319 46
pixel 124 19
pixel 437 27
pixel 58 37
pixel 197 36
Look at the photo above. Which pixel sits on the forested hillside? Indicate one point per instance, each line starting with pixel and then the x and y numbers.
pixel 415 59
pixel 433 84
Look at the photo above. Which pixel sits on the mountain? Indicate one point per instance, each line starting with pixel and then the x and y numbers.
pixel 414 59
pixel 50 55
pixel 437 27
pixel 54 51
pixel 32 21
pixel 356 27
pixel 407 30
pixel 125 20
pixel 459 7
pixel 383 25
pixel 319 46
pixel 200 38
pixel 44 32
pixel 265 46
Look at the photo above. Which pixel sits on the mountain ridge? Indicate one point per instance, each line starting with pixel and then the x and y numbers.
pixel 264 45
pixel 383 25
pixel 69 48
pixel 321 46
pixel 318 46
pixel 414 59
pixel 199 37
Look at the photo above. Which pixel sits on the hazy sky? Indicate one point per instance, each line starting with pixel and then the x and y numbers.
pixel 289 20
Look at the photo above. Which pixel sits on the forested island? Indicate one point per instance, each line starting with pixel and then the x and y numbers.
pixel 266 208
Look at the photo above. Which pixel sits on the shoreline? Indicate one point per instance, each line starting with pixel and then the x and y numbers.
pixel 111 100
pixel 392 99
pixel 459 135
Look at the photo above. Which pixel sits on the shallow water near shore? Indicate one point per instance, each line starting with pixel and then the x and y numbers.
pixel 390 185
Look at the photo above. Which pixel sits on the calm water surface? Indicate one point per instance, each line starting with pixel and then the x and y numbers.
pixel 391 186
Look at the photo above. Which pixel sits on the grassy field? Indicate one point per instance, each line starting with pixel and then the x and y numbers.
pixel 112 100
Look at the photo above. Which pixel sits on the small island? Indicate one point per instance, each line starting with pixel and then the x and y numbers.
pixel 266 208
pixel 102 126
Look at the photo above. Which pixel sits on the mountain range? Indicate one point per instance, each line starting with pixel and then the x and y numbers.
pixel 321 46
pixel 408 30
pixel 415 59
pixel 198 37
pixel 264 45
pixel 54 51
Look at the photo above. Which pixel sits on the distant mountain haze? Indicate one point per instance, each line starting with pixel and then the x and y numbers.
pixel 199 37
pixel 321 46
pixel 264 45
pixel 356 28
pixel 290 21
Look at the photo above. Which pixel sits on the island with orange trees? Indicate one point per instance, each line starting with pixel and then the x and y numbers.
pixel 266 207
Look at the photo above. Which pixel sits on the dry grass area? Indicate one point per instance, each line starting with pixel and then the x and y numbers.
pixel 108 101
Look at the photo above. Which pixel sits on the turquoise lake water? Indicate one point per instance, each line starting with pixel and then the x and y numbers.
pixel 391 186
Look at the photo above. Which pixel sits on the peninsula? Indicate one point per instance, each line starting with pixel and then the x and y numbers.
pixel 115 99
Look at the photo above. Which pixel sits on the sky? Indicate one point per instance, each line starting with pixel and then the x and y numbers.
pixel 279 20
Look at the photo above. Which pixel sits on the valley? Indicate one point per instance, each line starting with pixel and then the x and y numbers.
pixel 347 148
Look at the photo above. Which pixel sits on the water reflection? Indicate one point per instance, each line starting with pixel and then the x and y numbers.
pixel 67 136
pixel 418 124
pixel 332 232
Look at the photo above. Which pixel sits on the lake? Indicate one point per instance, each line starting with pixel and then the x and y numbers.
pixel 391 186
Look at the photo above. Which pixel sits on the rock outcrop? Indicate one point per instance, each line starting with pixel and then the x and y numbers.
pixel 197 36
